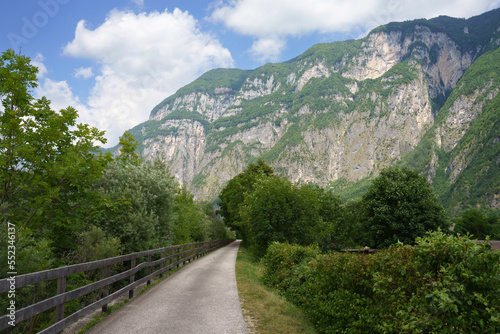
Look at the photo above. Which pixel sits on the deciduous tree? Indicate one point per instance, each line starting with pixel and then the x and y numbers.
pixel 47 161
pixel 233 195
pixel 400 206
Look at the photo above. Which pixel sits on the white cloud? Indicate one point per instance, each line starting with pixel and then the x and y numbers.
pixel 277 19
pixel 142 59
pixel 38 62
pixel 138 2
pixel 61 96
pixel 267 49
pixel 84 72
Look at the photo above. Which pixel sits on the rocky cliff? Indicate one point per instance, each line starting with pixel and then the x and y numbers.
pixel 340 111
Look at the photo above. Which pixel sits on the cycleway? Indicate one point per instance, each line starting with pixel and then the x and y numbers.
pixel 200 298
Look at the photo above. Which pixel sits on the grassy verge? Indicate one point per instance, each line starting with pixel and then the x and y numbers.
pixel 264 310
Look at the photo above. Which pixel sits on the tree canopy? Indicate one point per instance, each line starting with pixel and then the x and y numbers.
pixel 477 224
pixel 400 206
pixel 233 194
pixel 47 160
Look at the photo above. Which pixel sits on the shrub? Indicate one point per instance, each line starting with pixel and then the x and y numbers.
pixel 443 284
pixel 281 262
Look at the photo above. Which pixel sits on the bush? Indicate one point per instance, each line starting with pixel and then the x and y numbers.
pixel 281 262
pixel 442 284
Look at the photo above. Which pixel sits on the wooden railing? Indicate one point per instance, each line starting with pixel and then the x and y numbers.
pixel 170 257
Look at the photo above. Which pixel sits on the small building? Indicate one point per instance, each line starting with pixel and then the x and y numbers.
pixel 495 244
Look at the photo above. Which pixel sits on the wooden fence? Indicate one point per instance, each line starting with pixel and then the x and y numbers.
pixel 170 257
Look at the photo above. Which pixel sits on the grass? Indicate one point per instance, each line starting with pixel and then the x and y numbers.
pixel 100 317
pixel 264 310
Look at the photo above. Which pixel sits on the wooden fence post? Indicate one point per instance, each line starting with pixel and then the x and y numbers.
pixel 149 268
pixel 184 256
pixel 178 256
pixel 61 288
pixel 170 261
pixel 132 279
pixel 105 290
pixel 161 264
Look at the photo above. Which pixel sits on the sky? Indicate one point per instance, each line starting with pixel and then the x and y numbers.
pixel 114 60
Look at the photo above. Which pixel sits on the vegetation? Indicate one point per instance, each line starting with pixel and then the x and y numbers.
pixel 423 279
pixel 233 195
pixel 71 203
pixel 400 206
pixel 478 225
pixel 479 28
pixel 47 162
pixel 276 210
pixel 442 284
pixel 264 310
pixel 207 83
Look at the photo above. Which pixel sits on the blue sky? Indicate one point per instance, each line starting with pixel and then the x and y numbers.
pixel 115 60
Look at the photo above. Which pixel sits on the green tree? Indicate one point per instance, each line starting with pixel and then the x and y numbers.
pixel 139 209
pixel 128 148
pixel 48 162
pixel 400 206
pixel 475 223
pixel 233 195
pixel 332 230
pixel 192 224
pixel 277 210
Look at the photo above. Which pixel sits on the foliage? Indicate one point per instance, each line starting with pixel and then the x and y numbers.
pixel 269 312
pixel 233 195
pixel 192 224
pixel 69 203
pixel 478 225
pixel 400 206
pixel 140 210
pixel 277 210
pixel 127 151
pixel 47 161
pixel 442 284
pixel 93 245
pixel 332 231
pixel 281 262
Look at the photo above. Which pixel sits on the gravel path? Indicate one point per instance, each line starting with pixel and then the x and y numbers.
pixel 202 297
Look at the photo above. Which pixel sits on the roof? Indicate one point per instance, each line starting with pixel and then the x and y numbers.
pixel 495 244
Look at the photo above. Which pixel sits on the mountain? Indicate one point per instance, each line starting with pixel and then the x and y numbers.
pixel 420 93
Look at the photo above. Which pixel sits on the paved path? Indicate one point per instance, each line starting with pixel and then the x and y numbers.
pixel 200 298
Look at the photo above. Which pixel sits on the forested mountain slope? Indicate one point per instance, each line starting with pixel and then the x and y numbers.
pixel 421 93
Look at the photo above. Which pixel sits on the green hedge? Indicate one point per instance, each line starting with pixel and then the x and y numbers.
pixel 443 284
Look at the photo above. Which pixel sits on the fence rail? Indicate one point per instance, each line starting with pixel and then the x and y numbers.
pixel 174 255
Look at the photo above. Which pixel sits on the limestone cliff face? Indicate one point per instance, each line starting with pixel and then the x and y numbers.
pixel 360 144
pixel 444 61
pixel 211 107
pixel 339 111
